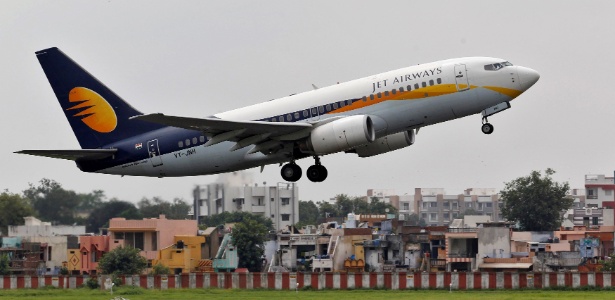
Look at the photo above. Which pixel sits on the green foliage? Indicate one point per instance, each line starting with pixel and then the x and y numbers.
pixel 249 239
pixel 177 210
pixel 92 283
pixel 13 208
pixel 115 208
pixel 122 261
pixel 308 214
pixel 52 202
pixel 4 264
pixel 358 205
pixel 415 220
pixel 160 269
pixel 63 271
pixel 236 217
pixel 535 201
pixel 608 265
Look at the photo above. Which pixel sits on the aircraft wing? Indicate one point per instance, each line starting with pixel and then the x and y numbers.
pixel 264 135
pixel 83 154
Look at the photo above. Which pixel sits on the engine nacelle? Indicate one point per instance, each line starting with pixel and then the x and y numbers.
pixel 386 144
pixel 341 134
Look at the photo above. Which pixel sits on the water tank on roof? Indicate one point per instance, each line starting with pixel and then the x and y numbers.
pixel 351 221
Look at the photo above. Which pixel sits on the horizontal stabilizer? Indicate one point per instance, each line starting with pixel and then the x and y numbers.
pixel 81 155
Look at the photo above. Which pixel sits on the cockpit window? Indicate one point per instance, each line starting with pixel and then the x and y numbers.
pixel 497 66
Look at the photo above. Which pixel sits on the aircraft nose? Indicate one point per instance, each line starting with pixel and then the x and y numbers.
pixel 527 77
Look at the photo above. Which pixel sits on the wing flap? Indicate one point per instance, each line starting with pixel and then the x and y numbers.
pixel 82 155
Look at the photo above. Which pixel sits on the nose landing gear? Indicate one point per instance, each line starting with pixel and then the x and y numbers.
pixel 486 128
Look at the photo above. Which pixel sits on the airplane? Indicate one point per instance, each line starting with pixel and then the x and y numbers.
pixel 367 116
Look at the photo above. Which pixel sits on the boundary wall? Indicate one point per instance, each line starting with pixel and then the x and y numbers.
pixel 329 280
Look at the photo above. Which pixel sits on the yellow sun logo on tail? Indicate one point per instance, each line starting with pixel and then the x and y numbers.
pixel 93 109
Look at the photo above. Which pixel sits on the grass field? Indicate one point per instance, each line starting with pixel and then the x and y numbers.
pixel 137 293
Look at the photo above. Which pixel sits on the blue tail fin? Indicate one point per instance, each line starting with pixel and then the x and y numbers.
pixel 96 114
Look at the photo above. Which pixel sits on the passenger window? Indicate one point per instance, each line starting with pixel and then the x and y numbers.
pixel 416 86
pixel 379 95
pixel 348 102
pixel 409 87
pixel 296 116
pixel 386 93
pixel 371 96
pixel 342 103
pixel 364 98
pixel 335 105
pixel 401 89
pixel 306 113
pixel 424 84
pixel 439 80
pixel 394 92
pixel 314 111
pixel 202 139
pixel 281 119
pixel 328 107
pixel 194 140
pixel 431 82
pixel 289 117
pixel 180 144
pixel 187 142
pixel 321 109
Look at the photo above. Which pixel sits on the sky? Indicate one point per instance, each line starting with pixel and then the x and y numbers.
pixel 198 58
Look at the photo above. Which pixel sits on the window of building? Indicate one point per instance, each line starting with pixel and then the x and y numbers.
pixel 446 216
pixel 469 205
pixel 433 204
pixel 433 217
pixel 425 206
pixel 272 216
pixel 488 204
pixel 595 221
pixel 154 241
pixel 480 206
pixel 285 201
pixel 446 204
pixel 406 206
pixel 285 217
pixel 455 205
pixel 424 216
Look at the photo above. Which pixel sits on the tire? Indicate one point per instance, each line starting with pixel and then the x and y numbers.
pixel 291 172
pixel 487 128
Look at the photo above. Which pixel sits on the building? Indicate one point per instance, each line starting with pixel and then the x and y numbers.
pixel 438 209
pixel 280 203
pixel 149 235
pixel 35 227
pixel 599 190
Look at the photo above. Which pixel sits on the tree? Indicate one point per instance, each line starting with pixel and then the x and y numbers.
pixel 308 214
pixel 249 239
pixel 379 207
pixel 4 264
pixel 415 220
pixel 99 218
pixel 177 210
pixel 122 261
pixel 608 265
pixel 469 212
pixel 52 202
pixel 236 217
pixel 13 209
pixel 535 201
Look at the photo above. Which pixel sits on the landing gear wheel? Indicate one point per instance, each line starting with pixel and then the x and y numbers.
pixel 291 172
pixel 317 173
pixel 487 128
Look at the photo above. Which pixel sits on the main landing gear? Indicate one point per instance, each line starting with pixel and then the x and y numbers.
pixel 316 173
pixel 487 128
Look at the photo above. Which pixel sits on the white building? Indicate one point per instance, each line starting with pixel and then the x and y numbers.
pixel 599 189
pixel 280 202
pixel 35 227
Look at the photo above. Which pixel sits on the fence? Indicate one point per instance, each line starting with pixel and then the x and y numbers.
pixel 290 281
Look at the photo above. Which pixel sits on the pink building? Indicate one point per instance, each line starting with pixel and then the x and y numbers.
pixel 149 235
pixel 91 249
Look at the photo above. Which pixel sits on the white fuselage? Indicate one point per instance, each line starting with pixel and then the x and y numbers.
pixel 398 100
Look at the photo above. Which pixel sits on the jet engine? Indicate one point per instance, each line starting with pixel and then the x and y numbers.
pixel 341 134
pixel 386 144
